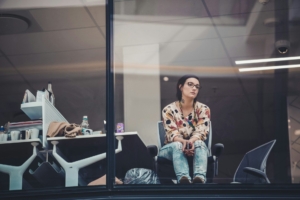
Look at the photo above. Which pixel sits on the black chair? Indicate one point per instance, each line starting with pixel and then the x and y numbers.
pixel 164 168
pixel 252 168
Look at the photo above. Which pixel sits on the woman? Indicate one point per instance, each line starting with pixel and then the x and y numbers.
pixel 186 123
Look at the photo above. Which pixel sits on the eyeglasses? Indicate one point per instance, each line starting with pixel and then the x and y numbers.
pixel 191 85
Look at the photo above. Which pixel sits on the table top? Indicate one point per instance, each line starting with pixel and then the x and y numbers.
pixel 89 136
pixel 20 141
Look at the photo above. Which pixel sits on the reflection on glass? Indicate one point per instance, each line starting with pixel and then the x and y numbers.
pixel 157 42
pixel 51 49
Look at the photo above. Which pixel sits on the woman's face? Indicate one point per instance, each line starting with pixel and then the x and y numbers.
pixel 190 88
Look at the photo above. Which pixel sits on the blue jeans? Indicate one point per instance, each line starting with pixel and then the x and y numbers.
pixel 173 152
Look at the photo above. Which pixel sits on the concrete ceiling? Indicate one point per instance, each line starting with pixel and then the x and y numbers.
pixel 64 44
pixel 66 39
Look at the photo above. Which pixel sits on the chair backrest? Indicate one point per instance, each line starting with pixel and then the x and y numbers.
pixel 256 158
pixel 162 133
pixel 209 139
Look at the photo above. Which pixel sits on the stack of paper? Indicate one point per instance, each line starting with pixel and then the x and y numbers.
pixel 23 124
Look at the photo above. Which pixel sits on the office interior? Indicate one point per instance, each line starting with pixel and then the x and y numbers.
pixel 155 43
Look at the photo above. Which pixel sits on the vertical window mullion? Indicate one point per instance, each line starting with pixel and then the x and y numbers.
pixel 110 139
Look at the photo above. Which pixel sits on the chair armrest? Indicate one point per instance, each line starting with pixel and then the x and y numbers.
pixel 256 172
pixel 216 152
pixel 214 161
pixel 211 159
pixel 152 150
pixel 217 149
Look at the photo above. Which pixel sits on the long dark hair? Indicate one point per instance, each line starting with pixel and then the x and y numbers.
pixel 181 82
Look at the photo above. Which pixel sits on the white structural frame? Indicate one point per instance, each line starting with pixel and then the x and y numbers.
pixel 43 109
pixel 16 172
pixel 72 168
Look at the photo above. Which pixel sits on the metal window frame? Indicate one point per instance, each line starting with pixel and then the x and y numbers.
pixel 214 191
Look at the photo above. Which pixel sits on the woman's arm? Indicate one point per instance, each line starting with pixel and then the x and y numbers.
pixel 202 124
pixel 170 125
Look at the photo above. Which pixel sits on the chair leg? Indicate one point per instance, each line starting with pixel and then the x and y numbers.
pixel 16 172
pixel 72 168
pixel 216 167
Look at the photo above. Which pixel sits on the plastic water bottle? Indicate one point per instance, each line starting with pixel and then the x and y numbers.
pixel 52 98
pixel 3 136
pixel 85 124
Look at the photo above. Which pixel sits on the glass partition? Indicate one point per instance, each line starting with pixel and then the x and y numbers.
pixel 205 91
pixel 246 117
pixel 53 91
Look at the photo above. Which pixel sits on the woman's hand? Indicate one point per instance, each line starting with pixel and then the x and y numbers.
pixel 183 141
pixel 190 152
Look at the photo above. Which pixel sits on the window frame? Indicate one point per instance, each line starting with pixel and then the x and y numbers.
pixel 184 191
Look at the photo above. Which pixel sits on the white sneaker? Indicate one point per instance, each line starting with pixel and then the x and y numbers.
pixel 184 180
pixel 198 179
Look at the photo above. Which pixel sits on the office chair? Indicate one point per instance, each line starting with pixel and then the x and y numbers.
pixel 252 168
pixel 164 167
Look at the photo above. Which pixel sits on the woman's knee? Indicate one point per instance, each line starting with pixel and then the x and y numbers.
pixel 200 144
pixel 176 145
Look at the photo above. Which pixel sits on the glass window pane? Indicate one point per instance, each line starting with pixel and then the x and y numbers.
pixel 62 43
pixel 252 111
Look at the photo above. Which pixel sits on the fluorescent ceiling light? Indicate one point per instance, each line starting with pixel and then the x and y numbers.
pixel 102 2
pixel 241 62
pixel 268 68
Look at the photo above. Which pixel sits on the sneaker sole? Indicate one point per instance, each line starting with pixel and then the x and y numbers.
pixel 198 180
pixel 184 180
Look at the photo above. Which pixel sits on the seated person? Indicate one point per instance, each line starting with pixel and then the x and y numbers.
pixel 186 122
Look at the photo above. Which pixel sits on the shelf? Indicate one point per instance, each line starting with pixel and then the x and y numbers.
pixel 41 110
pixel 20 141
pixel 50 114
pixel 89 136
pixel 23 128
pixel 33 109
pixel 77 137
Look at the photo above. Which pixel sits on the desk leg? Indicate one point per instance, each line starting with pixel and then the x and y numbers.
pixel 72 168
pixel 15 180
pixel 72 177
pixel 16 173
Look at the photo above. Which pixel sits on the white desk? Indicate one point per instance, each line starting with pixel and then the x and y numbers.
pixel 16 172
pixel 20 141
pixel 72 168
pixel 88 136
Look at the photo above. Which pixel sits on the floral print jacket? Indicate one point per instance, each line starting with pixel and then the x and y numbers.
pixel 177 125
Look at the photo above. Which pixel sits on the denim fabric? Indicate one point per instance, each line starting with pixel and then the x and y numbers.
pixel 173 152
pixel 200 159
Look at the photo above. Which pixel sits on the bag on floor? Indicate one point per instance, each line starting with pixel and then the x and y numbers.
pixel 141 176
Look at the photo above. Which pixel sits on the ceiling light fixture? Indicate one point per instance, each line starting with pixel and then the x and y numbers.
pixel 242 62
pixel 12 24
pixel 96 1
pixel 166 78
pixel 268 68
